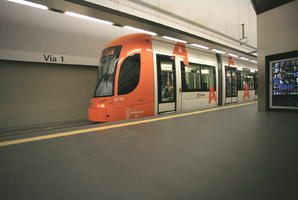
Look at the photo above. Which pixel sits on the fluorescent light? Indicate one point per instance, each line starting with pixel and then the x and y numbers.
pixel 233 55
pixel 28 3
pixel 218 51
pixel 174 39
pixel 254 61
pixel 200 46
pixel 87 17
pixel 205 71
pixel 167 67
pixel 244 58
pixel 139 30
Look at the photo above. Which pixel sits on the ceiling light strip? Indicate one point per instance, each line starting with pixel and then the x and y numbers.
pixel 28 3
pixel 139 30
pixel 244 58
pixel 87 17
pixel 233 55
pixel 174 39
pixel 200 46
pixel 218 51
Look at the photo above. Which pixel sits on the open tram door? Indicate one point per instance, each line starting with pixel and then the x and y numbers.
pixel 166 84
pixel 231 84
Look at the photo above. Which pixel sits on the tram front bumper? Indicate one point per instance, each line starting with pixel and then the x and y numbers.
pixel 97 114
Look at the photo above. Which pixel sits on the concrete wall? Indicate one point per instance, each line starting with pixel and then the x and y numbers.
pixel 211 19
pixel 277 33
pixel 43 93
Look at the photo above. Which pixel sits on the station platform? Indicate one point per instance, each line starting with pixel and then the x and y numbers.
pixel 234 153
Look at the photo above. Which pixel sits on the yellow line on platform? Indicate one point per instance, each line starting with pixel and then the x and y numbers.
pixel 63 134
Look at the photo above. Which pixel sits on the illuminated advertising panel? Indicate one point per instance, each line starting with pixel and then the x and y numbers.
pixel 284 83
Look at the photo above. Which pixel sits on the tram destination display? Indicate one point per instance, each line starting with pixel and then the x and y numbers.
pixel 284 83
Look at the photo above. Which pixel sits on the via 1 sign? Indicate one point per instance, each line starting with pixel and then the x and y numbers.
pixel 53 58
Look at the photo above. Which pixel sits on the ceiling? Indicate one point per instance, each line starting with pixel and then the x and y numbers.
pixel 261 6
pixel 120 18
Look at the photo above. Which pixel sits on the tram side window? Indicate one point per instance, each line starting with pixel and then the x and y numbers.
pixel 207 78
pixel 129 74
pixel 192 77
pixel 197 77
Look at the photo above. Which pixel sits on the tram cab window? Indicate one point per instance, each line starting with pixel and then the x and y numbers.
pixel 129 74
pixel 106 72
pixel 197 77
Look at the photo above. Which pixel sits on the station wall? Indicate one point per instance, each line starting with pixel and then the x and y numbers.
pixel 39 94
pixel 277 33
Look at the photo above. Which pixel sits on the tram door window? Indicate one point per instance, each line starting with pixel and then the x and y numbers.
pixel 231 84
pixel 166 83
pixel 256 83
pixel 250 81
pixel 243 78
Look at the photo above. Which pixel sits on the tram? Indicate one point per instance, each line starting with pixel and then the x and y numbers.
pixel 141 75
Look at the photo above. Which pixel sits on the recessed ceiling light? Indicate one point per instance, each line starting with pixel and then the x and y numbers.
pixel 218 51
pixel 87 17
pixel 200 46
pixel 28 3
pixel 244 58
pixel 139 30
pixel 233 55
pixel 174 39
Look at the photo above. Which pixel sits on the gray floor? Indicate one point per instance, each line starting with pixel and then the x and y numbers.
pixel 234 154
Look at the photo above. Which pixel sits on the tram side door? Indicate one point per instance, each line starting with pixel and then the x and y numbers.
pixel 166 79
pixel 231 84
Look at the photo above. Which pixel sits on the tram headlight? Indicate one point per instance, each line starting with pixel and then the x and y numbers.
pixel 102 105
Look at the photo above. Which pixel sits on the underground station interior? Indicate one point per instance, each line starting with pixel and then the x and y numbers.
pixel 139 99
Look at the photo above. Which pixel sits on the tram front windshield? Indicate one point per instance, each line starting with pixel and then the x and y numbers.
pixel 106 72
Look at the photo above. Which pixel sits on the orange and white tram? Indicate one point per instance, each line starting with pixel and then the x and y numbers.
pixel 141 75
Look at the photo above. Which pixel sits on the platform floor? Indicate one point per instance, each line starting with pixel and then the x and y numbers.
pixel 232 154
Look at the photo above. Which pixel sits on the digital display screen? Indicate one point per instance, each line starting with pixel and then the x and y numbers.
pixel 285 82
